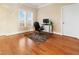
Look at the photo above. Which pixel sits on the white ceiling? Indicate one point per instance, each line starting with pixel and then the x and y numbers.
pixel 33 5
pixel 36 5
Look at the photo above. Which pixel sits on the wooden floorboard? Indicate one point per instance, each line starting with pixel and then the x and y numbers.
pixel 20 44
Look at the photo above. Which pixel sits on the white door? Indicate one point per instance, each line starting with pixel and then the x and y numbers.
pixel 70 17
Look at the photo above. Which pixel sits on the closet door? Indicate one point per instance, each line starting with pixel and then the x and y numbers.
pixel 70 17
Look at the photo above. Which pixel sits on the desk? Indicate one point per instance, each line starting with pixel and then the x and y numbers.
pixel 47 28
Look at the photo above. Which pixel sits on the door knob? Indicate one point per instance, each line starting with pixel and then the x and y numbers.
pixel 63 22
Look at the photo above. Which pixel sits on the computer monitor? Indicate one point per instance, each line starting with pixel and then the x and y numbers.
pixel 46 21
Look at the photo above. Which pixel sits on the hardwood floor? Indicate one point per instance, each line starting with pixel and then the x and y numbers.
pixel 20 44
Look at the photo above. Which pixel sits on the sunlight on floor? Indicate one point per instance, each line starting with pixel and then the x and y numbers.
pixel 25 45
pixel 29 42
pixel 22 45
pixel 22 42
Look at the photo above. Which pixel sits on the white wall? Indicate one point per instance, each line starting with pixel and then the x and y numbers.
pixel 53 12
pixel 9 22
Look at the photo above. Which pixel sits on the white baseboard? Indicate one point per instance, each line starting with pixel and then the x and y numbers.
pixel 72 36
pixel 14 33
pixel 66 35
pixel 7 34
pixel 1 34
pixel 57 33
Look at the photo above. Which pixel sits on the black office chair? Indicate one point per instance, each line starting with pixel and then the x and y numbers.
pixel 39 35
pixel 38 27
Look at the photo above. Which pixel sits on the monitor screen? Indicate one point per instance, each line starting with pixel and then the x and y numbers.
pixel 45 20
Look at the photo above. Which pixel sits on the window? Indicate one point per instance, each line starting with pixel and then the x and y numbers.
pixel 26 20
pixel 30 18
pixel 22 19
pixel 22 15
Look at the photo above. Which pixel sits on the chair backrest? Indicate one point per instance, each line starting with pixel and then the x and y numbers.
pixel 37 26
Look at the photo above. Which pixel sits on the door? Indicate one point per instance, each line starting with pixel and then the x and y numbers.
pixel 70 16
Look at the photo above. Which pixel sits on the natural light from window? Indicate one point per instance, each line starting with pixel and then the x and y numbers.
pixel 26 20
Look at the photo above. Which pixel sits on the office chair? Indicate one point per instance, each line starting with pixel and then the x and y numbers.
pixel 38 27
pixel 38 35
